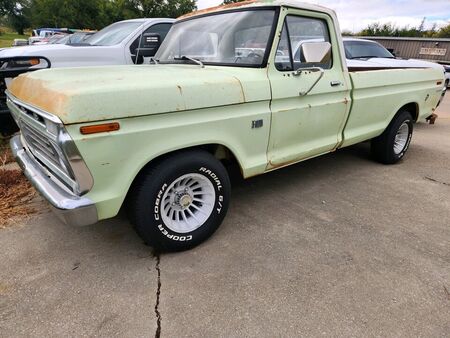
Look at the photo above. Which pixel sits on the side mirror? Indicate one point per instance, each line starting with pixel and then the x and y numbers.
pixel 149 44
pixel 316 52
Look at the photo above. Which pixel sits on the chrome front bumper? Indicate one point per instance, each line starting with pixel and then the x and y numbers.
pixel 71 209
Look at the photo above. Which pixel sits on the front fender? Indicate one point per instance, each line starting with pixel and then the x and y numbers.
pixel 116 158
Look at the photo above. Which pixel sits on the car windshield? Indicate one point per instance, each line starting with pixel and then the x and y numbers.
pixel 234 38
pixel 113 34
pixel 364 49
pixel 55 38
pixel 59 40
pixel 79 37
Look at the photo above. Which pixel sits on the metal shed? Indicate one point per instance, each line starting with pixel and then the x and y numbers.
pixel 437 50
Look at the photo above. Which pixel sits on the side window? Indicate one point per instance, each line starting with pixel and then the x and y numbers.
pixel 161 29
pixel 297 31
pixel 283 59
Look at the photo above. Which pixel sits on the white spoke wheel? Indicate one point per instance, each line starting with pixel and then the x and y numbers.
pixel 401 139
pixel 187 203
pixel 179 202
pixel 392 145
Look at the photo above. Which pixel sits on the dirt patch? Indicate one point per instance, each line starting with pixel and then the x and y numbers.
pixel 5 152
pixel 16 196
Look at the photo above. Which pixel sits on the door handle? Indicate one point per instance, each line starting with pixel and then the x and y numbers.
pixel 335 83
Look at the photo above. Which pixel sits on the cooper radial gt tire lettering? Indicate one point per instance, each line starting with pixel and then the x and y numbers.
pixel 392 145
pixel 181 201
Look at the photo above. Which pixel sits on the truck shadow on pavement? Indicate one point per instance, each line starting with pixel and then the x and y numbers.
pixel 301 175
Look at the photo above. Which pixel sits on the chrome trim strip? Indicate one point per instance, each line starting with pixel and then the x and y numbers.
pixel 71 209
pixel 38 111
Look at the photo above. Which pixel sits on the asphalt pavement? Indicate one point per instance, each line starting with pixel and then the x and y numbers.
pixel 335 246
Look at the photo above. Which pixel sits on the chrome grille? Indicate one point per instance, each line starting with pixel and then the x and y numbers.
pixel 43 146
pixel 40 146
pixel 48 143
pixel 33 115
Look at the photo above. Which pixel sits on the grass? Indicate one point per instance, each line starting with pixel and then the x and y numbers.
pixel 7 37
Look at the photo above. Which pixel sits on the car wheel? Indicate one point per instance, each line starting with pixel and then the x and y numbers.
pixel 180 202
pixel 392 145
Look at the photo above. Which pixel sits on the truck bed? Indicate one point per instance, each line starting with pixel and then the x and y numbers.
pixel 388 90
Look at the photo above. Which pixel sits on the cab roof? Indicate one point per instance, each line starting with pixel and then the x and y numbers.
pixel 260 3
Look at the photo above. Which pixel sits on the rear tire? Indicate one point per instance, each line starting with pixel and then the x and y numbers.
pixel 181 201
pixel 392 145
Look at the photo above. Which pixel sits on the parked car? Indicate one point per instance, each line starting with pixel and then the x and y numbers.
pixel 361 52
pixel 76 38
pixel 124 42
pixel 157 137
pixel 67 39
pixel 52 40
pixel 19 42
pixel 43 36
pixel 447 75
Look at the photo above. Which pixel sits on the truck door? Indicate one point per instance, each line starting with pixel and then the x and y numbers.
pixel 305 124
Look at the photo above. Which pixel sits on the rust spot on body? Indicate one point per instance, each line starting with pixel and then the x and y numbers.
pixel 242 89
pixel 218 8
pixel 283 164
pixel 34 92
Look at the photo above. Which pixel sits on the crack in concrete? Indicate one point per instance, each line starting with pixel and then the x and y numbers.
pixel 436 181
pixel 158 293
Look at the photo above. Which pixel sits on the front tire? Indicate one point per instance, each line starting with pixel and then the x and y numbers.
pixel 181 201
pixel 392 145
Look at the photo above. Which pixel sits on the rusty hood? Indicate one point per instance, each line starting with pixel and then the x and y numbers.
pixel 78 95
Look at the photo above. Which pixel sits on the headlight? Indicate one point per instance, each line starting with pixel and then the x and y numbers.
pixel 24 63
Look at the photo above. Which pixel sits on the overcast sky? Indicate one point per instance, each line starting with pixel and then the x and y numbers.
pixel 355 15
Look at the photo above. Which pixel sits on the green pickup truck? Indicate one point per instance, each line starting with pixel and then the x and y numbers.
pixel 263 84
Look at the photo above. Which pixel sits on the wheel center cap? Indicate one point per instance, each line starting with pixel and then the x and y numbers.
pixel 185 201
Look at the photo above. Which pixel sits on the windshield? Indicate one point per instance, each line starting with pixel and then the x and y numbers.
pixel 79 37
pixel 113 34
pixel 364 49
pixel 235 38
pixel 56 38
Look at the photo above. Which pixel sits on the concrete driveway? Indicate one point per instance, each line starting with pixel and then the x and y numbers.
pixel 336 246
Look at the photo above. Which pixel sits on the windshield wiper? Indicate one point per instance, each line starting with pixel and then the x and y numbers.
pixel 370 57
pixel 188 58
pixel 363 57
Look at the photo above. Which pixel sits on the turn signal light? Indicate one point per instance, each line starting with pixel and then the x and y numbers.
pixel 99 128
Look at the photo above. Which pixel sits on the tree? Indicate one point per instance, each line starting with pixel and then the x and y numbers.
pixel 6 7
pixel 67 13
pixel 444 32
pixel 166 8
pixel 16 13
pixel 93 14
pixel 96 14
pixel 377 29
pixel 19 19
